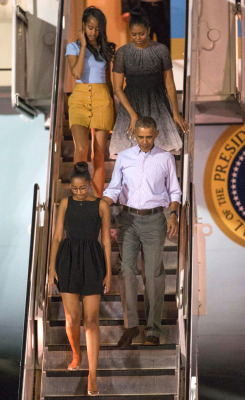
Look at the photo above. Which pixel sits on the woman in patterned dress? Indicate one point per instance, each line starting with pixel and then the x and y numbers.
pixel 147 67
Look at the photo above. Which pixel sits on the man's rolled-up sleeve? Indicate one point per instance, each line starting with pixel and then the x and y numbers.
pixel 115 186
pixel 172 183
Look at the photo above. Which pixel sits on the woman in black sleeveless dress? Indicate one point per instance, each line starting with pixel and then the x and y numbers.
pixel 81 266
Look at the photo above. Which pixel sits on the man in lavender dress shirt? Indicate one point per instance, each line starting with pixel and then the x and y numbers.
pixel 145 182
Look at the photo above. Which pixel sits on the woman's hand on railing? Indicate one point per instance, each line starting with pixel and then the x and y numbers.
pixel 181 122
pixel 52 276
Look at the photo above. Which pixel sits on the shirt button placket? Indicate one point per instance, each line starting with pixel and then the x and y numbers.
pixel 141 201
pixel 90 101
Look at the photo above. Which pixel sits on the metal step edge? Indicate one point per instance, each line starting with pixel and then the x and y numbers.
pixel 173 249
pixel 114 322
pixel 106 181
pixel 67 159
pixel 67 347
pixel 68 138
pixel 116 298
pixel 153 396
pixel 167 249
pixel 112 372
pixel 168 272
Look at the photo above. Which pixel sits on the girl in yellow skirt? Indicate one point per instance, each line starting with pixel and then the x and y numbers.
pixel 91 104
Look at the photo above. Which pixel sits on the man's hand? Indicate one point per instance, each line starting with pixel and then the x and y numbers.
pixel 172 226
pixel 108 200
pixel 126 16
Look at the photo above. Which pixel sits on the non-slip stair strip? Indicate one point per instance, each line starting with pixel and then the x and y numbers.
pixel 133 347
pixel 115 397
pixel 107 372
pixel 115 322
pixel 168 272
pixel 67 159
pixel 116 297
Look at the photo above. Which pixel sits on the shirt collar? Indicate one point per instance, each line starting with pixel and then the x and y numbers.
pixel 138 151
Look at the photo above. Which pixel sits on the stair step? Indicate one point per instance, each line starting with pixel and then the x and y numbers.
pixel 70 385
pixel 113 347
pixel 63 189
pixel 109 298
pixel 115 397
pixel 55 332
pixel 68 140
pixel 66 168
pixel 106 322
pixel 170 284
pixel 111 372
pixel 111 308
pixel 112 357
pixel 67 151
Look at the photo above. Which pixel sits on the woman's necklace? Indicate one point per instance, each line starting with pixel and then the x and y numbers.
pixel 81 203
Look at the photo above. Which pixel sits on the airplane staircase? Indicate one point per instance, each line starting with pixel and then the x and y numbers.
pixel 138 372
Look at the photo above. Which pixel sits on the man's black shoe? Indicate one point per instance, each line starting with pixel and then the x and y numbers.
pixel 152 340
pixel 127 336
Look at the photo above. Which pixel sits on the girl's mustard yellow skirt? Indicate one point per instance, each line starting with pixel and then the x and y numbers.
pixel 91 105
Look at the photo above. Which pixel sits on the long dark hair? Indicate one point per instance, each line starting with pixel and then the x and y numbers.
pixel 80 170
pixel 107 49
pixel 139 17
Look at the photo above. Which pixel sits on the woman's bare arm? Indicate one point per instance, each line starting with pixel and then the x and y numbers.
pixel 57 238
pixel 172 95
pixel 106 241
pixel 108 78
pixel 76 63
pixel 118 80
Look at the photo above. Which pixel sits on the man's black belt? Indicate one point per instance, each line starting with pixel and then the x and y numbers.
pixel 147 211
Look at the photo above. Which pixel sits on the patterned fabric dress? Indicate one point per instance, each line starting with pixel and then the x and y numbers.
pixel 146 92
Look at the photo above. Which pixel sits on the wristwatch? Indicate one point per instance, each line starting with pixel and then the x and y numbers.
pixel 175 212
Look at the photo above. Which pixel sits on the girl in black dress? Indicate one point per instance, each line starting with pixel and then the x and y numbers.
pixel 82 266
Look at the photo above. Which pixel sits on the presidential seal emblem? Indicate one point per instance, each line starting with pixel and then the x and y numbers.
pixel 224 183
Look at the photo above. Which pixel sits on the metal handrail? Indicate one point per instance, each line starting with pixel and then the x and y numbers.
pixel 36 288
pixel 184 149
pixel 30 294
pixel 53 118
pixel 189 297
pixel 185 252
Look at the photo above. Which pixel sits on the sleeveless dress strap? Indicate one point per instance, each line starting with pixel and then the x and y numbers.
pixel 69 201
pixel 98 204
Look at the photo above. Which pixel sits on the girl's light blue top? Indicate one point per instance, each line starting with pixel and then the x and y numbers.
pixel 94 71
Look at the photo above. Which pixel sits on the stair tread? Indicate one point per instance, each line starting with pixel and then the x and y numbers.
pixel 112 372
pixel 111 357
pixel 153 396
pixel 69 385
pixel 116 297
pixel 133 347
pixel 115 322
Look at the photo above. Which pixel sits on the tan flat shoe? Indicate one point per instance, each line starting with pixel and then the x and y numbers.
pixel 90 393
